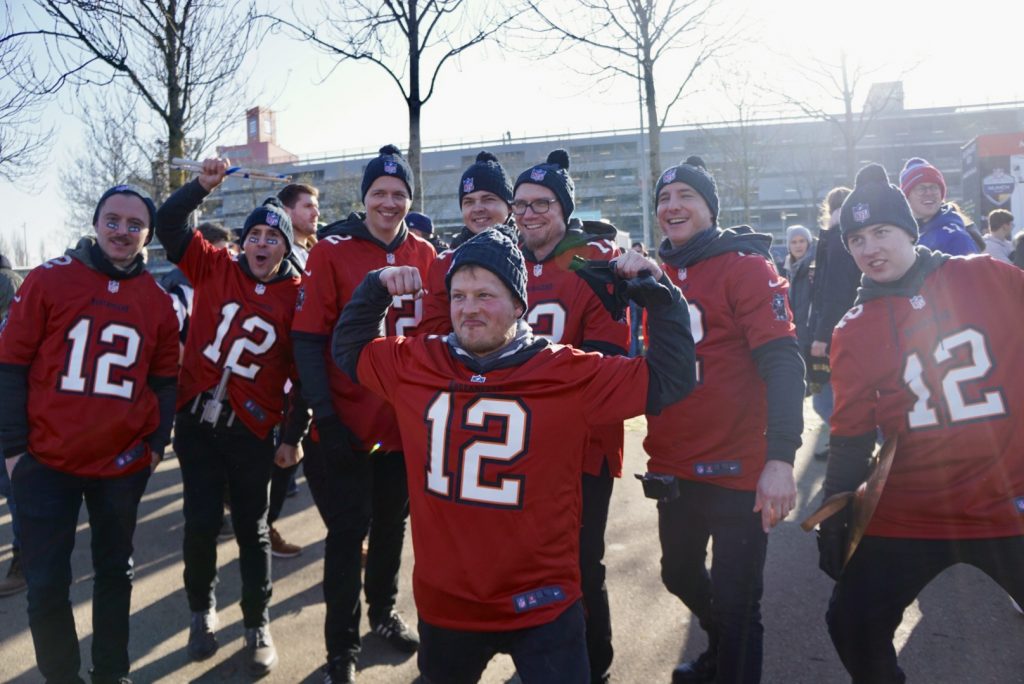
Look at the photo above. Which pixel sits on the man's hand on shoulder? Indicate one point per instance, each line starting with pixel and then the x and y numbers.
pixel 402 280
pixel 630 264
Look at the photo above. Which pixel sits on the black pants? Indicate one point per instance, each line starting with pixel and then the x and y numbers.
pixel 885 575
pixel 371 496
pixel 726 602
pixel 49 502
pixel 597 494
pixel 553 653
pixel 210 458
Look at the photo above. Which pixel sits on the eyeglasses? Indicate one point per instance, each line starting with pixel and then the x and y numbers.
pixel 539 206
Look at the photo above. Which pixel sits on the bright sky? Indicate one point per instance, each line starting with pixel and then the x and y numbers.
pixel 943 60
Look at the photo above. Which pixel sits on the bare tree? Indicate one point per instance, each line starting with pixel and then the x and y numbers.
pixel 113 153
pixel 842 83
pixel 410 40
pixel 23 141
pixel 635 37
pixel 15 248
pixel 743 144
pixel 180 57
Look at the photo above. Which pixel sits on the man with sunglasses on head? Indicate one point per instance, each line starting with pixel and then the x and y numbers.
pixel 237 360
pixel 88 361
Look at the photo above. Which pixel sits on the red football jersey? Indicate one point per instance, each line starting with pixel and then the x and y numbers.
pixel 941 371
pixel 564 309
pixel 437 316
pixel 239 322
pixel 90 343
pixel 493 463
pixel 738 302
pixel 336 267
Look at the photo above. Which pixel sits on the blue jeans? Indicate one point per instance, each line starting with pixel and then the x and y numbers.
pixel 823 402
pixel 48 505
pixel 726 602
pixel 885 575
pixel 5 491
pixel 552 653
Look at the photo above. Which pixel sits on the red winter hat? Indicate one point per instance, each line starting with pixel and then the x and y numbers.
pixel 917 171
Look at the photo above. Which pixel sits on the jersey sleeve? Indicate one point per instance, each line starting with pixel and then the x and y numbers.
pixel 23 333
pixel 436 311
pixel 378 365
pixel 201 259
pixel 855 398
pixel 615 387
pixel 760 301
pixel 318 305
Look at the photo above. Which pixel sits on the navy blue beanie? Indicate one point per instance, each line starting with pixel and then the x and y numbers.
pixel 493 250
pixel 553 175
pixel 693 172
pixel 270 213
pixel 128 189
pixel 486 174
pixel 420 222
pixel 875 200
pixel 389 162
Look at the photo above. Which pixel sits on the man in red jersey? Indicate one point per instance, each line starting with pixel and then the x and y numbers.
pixel 922 358
pixel 355 468
pixel 237 360
pixel 485 197
pixel 566 309
pixel 730 445
pixel 88 361
pixel 497 420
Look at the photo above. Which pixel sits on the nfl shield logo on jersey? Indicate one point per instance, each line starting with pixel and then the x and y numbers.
pixel 861 212
pixel 538 269
pixel 467 185
pixel 113 286
pixel 682 274
pixel 917 302
pixel 260 288
pixel 390 167
pixel 538 174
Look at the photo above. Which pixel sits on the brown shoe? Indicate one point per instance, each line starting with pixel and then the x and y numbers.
pixel 15 580
pixel 280 548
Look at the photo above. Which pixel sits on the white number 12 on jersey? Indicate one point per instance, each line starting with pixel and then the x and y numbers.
pixel 505 491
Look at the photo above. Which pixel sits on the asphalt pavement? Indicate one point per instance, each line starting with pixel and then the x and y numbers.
pixel 962 629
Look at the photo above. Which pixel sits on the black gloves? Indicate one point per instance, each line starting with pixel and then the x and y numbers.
pixel 647 292
pixel 338 442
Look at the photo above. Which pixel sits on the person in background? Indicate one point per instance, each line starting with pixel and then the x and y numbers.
pixel 941 224
pixel 798 269
pixel 422 225
pixel 14 582
pixel 998 244
pixel 836 278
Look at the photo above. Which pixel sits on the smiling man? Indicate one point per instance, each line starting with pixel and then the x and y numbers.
pixel 495 422
pixel 923 359
pixel 485 198
pixel 88 361
pixel 730 445
pixel 355 467
pixel 239 333
pixel 941 226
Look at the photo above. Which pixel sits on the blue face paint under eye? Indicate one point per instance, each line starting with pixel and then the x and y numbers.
pixel 134 229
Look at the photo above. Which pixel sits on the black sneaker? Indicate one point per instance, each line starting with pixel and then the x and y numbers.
pixel 202 642
pixel 340 670
pixel 394 631
pixel 703 669
pixel 260 651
